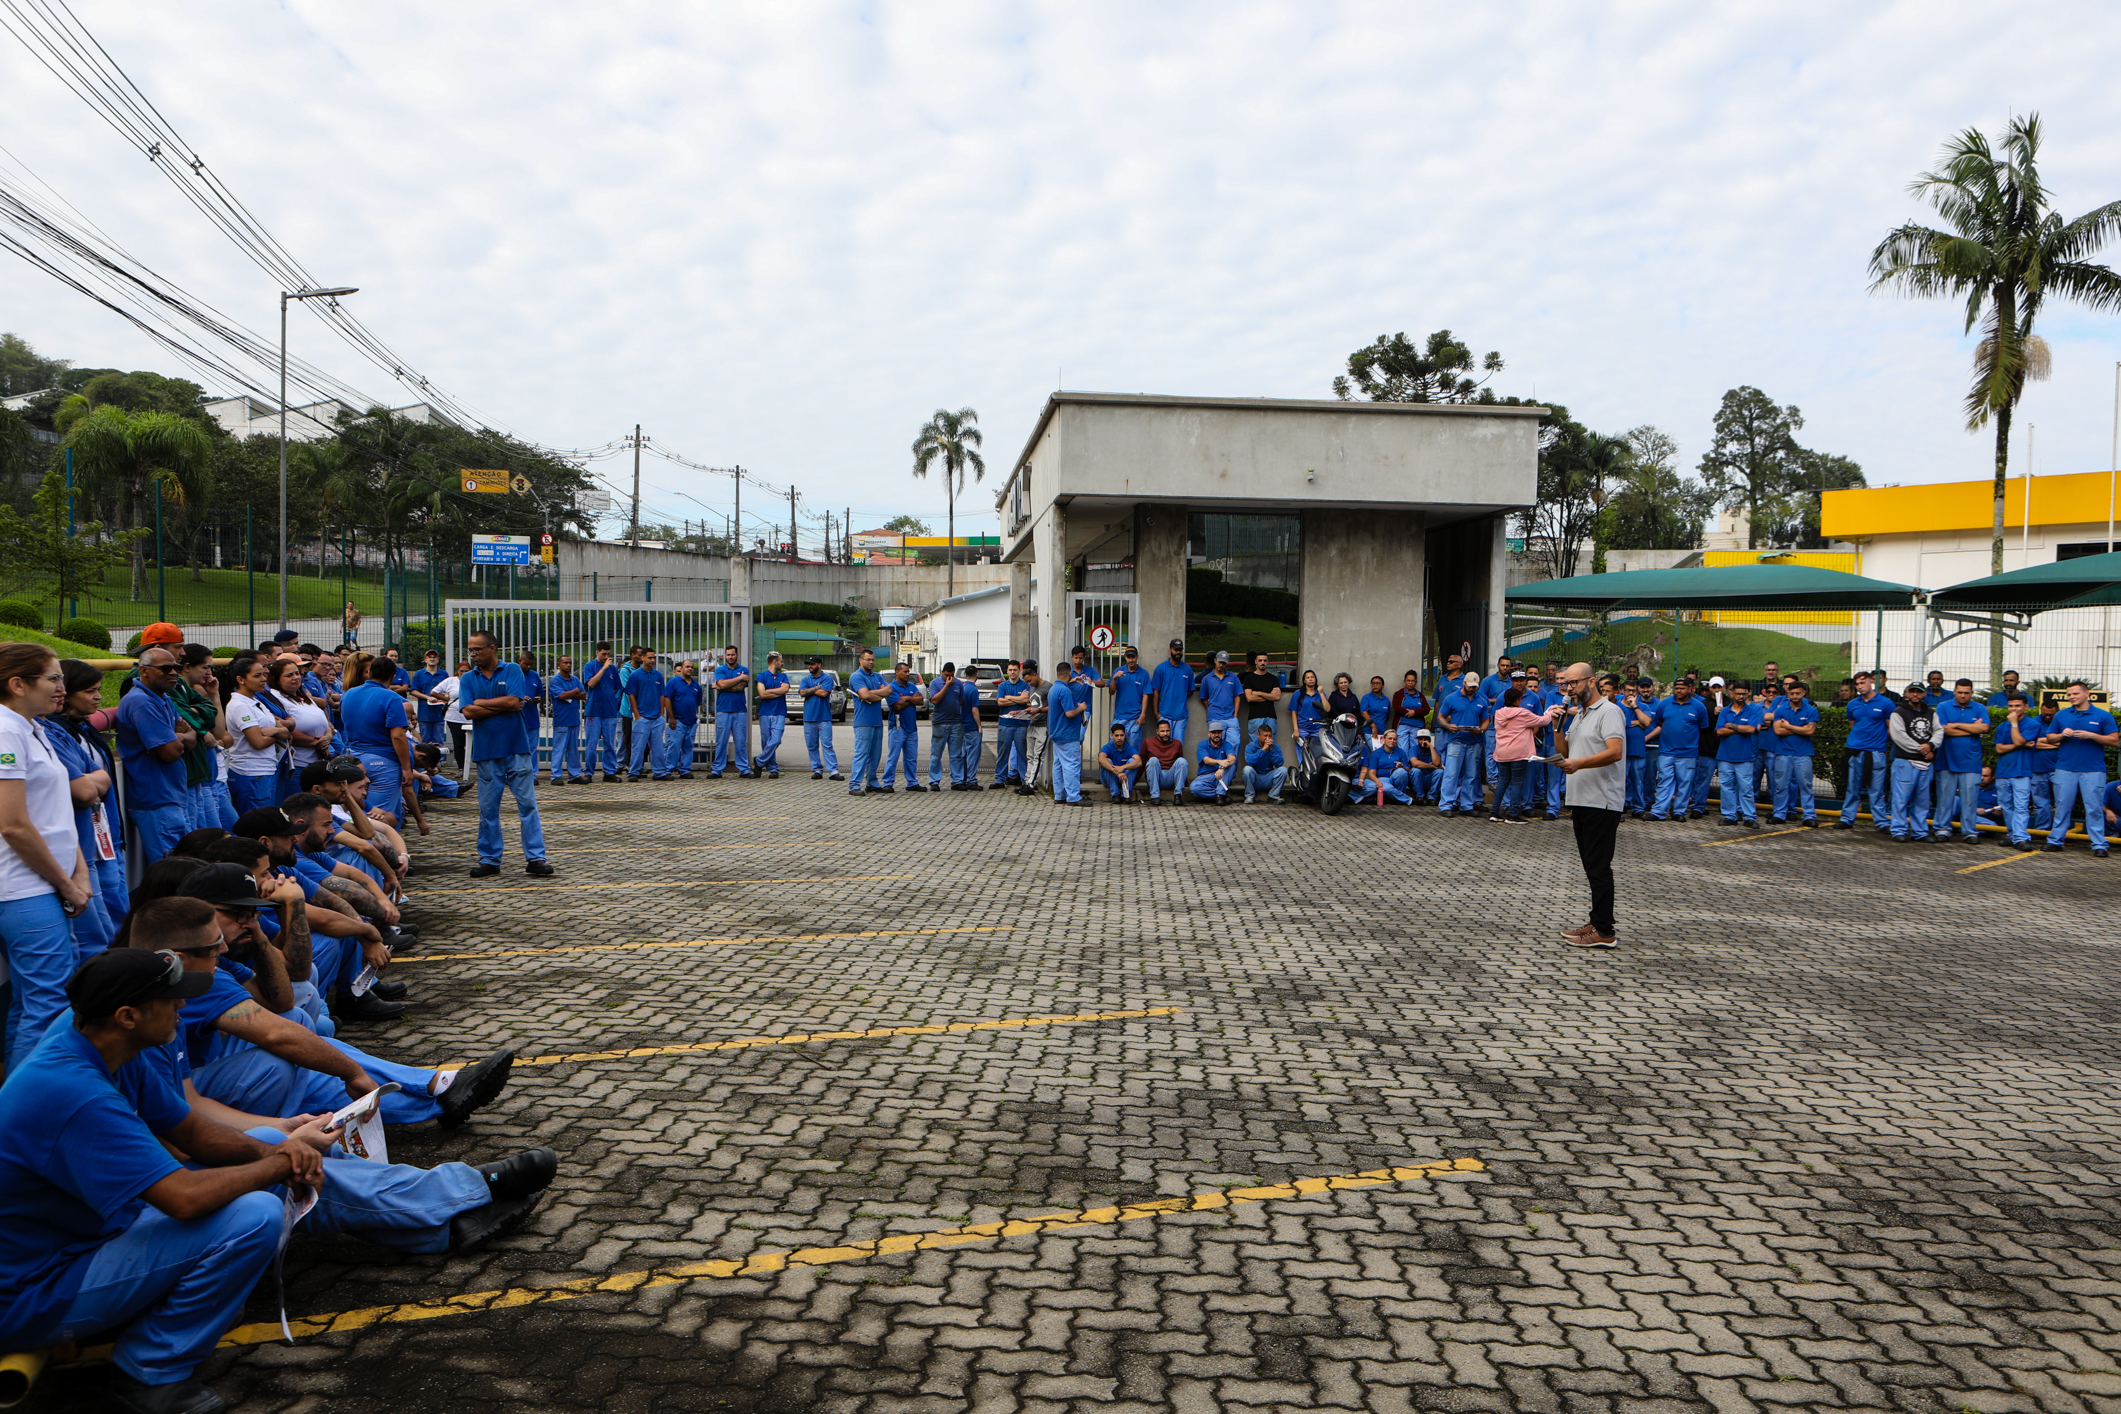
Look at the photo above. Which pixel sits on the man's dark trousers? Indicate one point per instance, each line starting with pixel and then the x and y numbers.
pixel 1596 832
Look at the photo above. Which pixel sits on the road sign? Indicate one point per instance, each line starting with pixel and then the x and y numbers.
pixel 1102 638
pixel 545 553
pixel 491 483
pixel 500 549
pixel 1465 651
pixel 545 538
pixel 520 485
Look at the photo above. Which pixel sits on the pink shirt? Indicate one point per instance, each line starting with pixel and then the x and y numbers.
pixel 1514 728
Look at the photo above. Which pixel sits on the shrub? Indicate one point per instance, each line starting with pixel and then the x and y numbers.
pixel 132 645
pixel 1207 592
pixel 227 653
pixel 86 632
pixel 17 614
pixel 798 609
pixel 416 636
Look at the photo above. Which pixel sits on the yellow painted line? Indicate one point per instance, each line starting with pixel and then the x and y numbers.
pixel 763 1263
pixel 876 1031
pixel 2006 859
pixel 671 848
pixel 706 943
pixel 661 884
pixel 1748 839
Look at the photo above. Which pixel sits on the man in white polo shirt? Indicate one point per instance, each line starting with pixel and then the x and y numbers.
pixel 1596 766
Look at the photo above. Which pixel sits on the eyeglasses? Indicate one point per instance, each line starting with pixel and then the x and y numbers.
pixel 207 951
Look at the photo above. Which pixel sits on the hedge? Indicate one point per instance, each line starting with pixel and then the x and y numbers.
pixel 20 615
pixel 1207 592
pixel 798 609
pixel 86 631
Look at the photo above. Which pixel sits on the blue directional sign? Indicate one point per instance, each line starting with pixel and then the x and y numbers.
pixel 500 549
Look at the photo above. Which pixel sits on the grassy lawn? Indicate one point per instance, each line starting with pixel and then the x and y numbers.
pixel 1718 650
pixel 1241 637
pixel 223 596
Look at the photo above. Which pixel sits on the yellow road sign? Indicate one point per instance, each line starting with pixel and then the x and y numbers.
pixel 545 553
pixel 487 482
pixel 520 485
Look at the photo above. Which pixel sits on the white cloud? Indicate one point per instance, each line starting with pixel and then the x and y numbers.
pixel 782 235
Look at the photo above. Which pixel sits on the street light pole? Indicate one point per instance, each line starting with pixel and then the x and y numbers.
pixel 285 296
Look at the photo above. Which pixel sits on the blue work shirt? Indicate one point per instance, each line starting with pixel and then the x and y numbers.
pixel 2001 697
pixel 1084 676
pixel 1738 746
pixel 1638 735
pixel 2077 754
pixel 816 709
pixel 1867 721
pixel 866 713
pixel 368 714
pixel 770 706
pixel 1376 710
pixel 495 737
pixel 568 713
pixel 1492 687
pixel 946 705
pixel 422 681
pixel 1960 753
pixel 2021 761
pixel 1263 758
pixel 147 719
pixel 1459 710
pixel 729 699
pixel 1114 758
pixel 1063 698
pixel 77 1151
pixel 1210 752
pixel 905 711
pixel 644 689
pixel 533 685
pixel 1221 692
pixel 1808 716
pixel 74 754
pixel 1310 716
pixel 603 700
pixel 1172 685
pixel 1130 688
pixel 684 698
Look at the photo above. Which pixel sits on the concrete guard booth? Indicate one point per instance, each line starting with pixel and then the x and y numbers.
pixel 1399 510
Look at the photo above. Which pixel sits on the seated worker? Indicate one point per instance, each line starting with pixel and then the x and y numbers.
pixel 350 874
pixel 1116 765
pixel 427 772
pixel 1264 770
pixel 361 840
pixel 100 1228
pixel 1214 767
pixel 1384 772
pixel 250 1059
pixel 1424 766
pixel 1164 764
pixel 341 941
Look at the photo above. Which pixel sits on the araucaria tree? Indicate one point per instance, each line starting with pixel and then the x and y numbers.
pixel 952 438
pixel 2003 250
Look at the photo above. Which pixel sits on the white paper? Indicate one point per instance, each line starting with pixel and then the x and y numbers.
pixel 363 981
pixel 359 1125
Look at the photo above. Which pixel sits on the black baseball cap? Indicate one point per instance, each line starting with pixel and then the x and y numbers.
pixel 816 662
pixel 266 822
pixel 228 886
pixel 1921 687
pixel 1178 644
pixel 286 635
pixel 128 977
pixel 1030 665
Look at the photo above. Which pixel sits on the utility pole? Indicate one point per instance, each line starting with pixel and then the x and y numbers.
pixel 738 519
pixel 847 531
pixel 634 530
pixel 793 553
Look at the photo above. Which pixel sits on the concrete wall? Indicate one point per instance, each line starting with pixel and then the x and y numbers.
pixel 1159 578
pixel 1360 605
pixel 620 572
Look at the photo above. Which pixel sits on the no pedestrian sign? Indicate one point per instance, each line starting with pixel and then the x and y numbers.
pixel 1101 638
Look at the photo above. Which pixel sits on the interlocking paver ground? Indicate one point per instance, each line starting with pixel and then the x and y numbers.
pixel 1837 1127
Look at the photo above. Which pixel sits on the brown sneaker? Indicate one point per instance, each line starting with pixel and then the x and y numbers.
pixel 1592 938
pixel 1577 934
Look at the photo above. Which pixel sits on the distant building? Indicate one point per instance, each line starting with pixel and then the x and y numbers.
pixel 957 630
pixel 245 416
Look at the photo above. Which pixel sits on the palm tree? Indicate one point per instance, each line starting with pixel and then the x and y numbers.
pixel 2004 252
pixel 954 437
pixel 125 454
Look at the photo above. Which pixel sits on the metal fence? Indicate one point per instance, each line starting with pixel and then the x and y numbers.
pixel 574 628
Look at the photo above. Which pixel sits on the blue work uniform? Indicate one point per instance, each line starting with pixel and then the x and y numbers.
pixel 600 716
pixel 681 734
pixel 434 731
pixel 817 722
pixel 566 729
pixel 1736 757
pixel 533 690
pixel 1065 733
pixel 1376 711
pixel 1264 770
pixel 157 798
pixel 1390 768
pixel 1130 691
pixel 1957 778
pixel 1636 798
pixel 1790 768
pixel 93 928
pixel 501 752
pixel 1869 762
pixel 773 725
pixel 946 730
pixel 1172 685
pixel 2015 762
pixel 1463 720
pixel 905 743
pixel 969 744
pixel 1213 781
pixel 868 729
pixel 1112 769
pixel 732 719
pixel 372 712
pixel 2080 773
pixel 1012 731
pixel 1492 687
pixel 1221 694
pixel 644 694
pixel 1679 729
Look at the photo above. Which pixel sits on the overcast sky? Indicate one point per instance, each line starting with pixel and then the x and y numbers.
pixel 782 235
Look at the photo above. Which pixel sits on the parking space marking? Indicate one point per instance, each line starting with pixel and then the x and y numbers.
pixel 2006 859
pixel 804 1038
pixel 1748 839
pixel 763 1263
pixel 665 884
pixel 705 943
pixel 667 848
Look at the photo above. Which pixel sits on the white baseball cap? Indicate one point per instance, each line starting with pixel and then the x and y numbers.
pixel 1715 682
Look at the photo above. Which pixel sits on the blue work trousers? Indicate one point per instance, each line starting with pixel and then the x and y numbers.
pixel 248 793
pixel 1209 782
pixel 1639 784
pixel 1009 751
pixel 397 1206
pixel 647 745
pixel 38 942
pixel 1119 785
pixel 732 742
pixel 1734 782
pixel 1178 730
pixel 1960 790
pixel 433 733
pixel 772 727
pixel 111 894
pixel 1461 773
pixel 1427 783
pixel 2071 786
pixel 817 740
pixel 1173 775
pixel 2043 799
pixel 1675 784
pixel 1790 787
pixel 1868 775
pixel 604 732
pixel 151 834
pixel 566 752
pixel 248 1078
pixel 518 775
pixel 1487 754
pixel 1269 781
pixel 1704 777
pixel 904 747
pixel 944 741
pixel 1911 799
pixel 1068 771
pixel 681 743
pixel 969 748
pixel 1392 786
pixel 386 783
pixel 868 746
pixel 2015 793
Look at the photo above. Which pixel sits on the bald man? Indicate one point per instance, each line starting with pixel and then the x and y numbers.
pixel 1596 765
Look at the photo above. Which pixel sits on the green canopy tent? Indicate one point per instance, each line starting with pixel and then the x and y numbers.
pixel 2094 581
pixel 1761 587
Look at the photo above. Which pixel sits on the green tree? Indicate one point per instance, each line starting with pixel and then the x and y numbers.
pixel 51 557
pixel 952 438
pixel 1653 506
pixel 126 454
pixel 1812 474
pixel 2003 250
pixel 1751 459
pixel 24 370
pixel 907 525
pixel 1394 370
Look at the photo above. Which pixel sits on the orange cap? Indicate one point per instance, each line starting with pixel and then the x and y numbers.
pixel 155 634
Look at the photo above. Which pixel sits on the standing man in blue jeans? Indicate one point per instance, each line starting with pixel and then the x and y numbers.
pixel 815 689
pixel 1221 693
pixel 374 718
pixel 567 693
pixel 1680 719
pixel 1171 686
pixel 681 723
pixel 430 708
pixel 644 694
pixel 1867 762
pixel 732 716
pixel 600 713
pixel 946 729
pixel 1736 758
pixel 2085 733
pixel 492 694
pixel 1795 721
pixel 1912 730
pixel 1961 723
pixel 2016 751
pixel 1463 719
pixel 868 689
pixel 152 741
pixel 904 698
pixel 1066 707
pixel 773 686
pixel 1013 696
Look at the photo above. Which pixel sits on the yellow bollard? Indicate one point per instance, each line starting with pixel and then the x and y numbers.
pixel 17 1373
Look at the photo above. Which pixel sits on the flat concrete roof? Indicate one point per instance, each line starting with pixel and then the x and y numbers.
pixel 1171 400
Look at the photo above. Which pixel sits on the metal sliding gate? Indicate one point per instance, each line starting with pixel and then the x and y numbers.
pixel 1087 613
